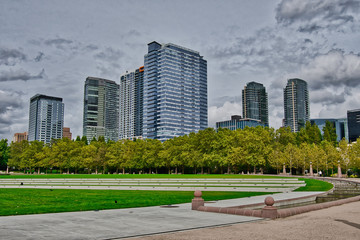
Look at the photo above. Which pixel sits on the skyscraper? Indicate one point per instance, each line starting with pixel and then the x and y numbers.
pixel 46 118
pixel 101 109
pixel 296 104
pixel 131 104
pixel 353 117
pixel 255 102
pixel 175 91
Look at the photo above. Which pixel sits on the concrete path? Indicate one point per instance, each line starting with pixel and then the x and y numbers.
pixel 113 224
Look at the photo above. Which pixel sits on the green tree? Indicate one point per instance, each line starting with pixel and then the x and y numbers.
pixel 330 133
pixel 4 153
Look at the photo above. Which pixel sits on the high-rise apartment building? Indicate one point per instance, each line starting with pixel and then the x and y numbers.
pixel 46 118
pixel 353 117
pixel 131 104
pixel 296 104
pixel 101 109
pixel 255 102
pixel 175 91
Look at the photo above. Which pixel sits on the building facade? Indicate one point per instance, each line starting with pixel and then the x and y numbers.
pixel 46 118
pixel 131 104
pixel 66 133
pixel 255 102
pixel 353 117
pixel 296 104
pixel 340 125
pixel 175 91
pixel 237 122
pixel 101 109
pixel 19 137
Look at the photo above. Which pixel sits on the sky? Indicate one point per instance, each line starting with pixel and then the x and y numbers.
pixel 51 47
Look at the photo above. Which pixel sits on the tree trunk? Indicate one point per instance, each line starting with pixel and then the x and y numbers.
pixel 202 170
pixel 169 170
pixel 183 170
pixel 96 172
pixel 123 170
pixel 38 170
pixel 254 169
pixel 195 170
pixel 149 170
pixel 68 171
pixel 156 170
pixel 7 169
pixel 228 169
pixel 176 170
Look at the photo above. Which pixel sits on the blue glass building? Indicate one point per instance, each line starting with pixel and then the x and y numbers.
pixel 255 102
pixel 340 125
pixel 237 122
pixel 101 109
pixel 46 118
pixel 175 91
pixel 296 104
pixel 353 117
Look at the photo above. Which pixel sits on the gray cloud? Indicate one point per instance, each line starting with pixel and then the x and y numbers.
pixel 325 97
pixel 10 57
pixel 59 43
pixel 268 50
pixel 39 57
pixel 333 69
pixel 20 75
pixel 314 15
pixel 109 54
pixel 9 101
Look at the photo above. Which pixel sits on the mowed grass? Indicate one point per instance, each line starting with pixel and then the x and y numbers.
pixel 35 201
pixel 314 185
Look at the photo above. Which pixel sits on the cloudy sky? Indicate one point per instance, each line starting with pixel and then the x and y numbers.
pixel 50 47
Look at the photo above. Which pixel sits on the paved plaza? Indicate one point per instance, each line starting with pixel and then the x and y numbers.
pixel 122 223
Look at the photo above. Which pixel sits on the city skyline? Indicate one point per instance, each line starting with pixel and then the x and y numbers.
pixel 313 40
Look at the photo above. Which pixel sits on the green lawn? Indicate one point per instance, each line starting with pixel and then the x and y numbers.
pixel 314 185
pixel 34 201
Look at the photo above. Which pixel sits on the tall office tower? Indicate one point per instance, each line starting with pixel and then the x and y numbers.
pixel 175 91
pixel 131 104
pixel 46 118
pixel 296 104
pixel 101 109
pixel 255 102
pixel 353 117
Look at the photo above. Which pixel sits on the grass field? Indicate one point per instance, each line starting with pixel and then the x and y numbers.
pixel 314 185
pixel 34 201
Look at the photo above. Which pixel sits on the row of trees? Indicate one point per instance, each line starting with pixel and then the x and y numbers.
pixel 249 150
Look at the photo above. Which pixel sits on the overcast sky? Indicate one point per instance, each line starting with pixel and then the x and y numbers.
pixel 50 47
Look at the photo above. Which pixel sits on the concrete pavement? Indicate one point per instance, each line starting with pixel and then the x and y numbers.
pixel 121 223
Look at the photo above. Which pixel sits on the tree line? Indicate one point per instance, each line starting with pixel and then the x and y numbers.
pixel 251 150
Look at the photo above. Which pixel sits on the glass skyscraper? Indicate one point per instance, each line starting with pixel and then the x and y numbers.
pixel 101 109
pixel 175 91
pixel 353 117
pixel 340 125
pixel 255 102
pixel 131 104
pixel 296 104
pixel 46 118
